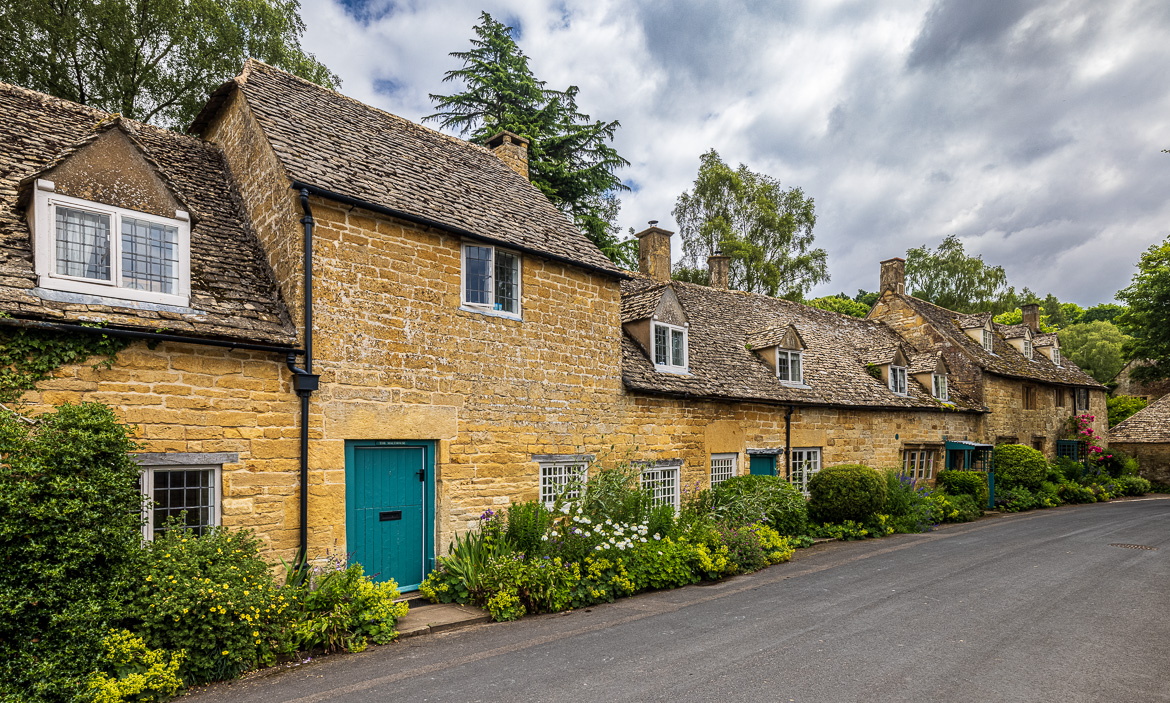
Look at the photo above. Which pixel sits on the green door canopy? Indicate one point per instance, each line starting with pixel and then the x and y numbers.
pixel 973 456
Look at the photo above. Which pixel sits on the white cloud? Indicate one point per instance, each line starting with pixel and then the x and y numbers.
pixel 1032 130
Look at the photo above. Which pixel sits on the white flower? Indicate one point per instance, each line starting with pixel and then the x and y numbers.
pixel 598 548
pixel 659 552
pixel 608 521
pixel 588 533
pixel 544 538
pixel 554 533
pixel 643 539
pixel 622 546
pixel 656 536
pixel 565 509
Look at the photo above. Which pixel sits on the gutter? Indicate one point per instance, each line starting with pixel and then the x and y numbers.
pixel 451 229
pixel 305 382
pixel 142 334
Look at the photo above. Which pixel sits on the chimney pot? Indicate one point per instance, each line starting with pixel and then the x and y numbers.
pixel 719 267
pixel 512 149
pixel 1031 313
pixel 893 276
pixel 654 252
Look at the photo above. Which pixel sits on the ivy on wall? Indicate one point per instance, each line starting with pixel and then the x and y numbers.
pixel 29 356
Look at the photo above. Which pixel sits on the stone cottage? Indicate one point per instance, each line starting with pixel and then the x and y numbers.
pixel 355 334
pixel 1145 435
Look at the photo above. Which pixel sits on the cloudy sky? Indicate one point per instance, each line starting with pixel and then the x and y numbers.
pixel 1033 130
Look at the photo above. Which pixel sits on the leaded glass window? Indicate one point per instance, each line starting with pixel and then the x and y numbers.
pixel 83 244
pixel 150 255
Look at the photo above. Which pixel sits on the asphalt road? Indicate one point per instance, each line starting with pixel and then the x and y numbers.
pixel 1030 607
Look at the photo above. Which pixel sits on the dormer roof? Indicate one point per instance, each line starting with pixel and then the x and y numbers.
pixel 782 336
pixel 980 320
pixel 1014 331
pixel 1046 340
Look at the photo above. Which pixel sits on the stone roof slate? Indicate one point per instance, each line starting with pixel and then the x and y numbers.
pixel 233 292
pixel 1151 424
pixel 338 144
pixel 1004 359
pixel 975 321
pixel 722 368
pixel 1011 331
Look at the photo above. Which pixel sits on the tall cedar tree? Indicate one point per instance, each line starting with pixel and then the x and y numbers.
pixel 150 60
pixel 569 156
pixel 1148 318
pixel 765 229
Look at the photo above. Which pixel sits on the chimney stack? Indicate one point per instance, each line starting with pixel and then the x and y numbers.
pixel 654 252
pixel 719 267
pixel 1032 317
pixel 893 276
pixel 512 149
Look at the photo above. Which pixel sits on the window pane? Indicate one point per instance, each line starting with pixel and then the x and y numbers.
pixel 782 370
pixel 83 244
pixel 660 345
pixel 150 256
pixel 560 479
pixel 678 343
pixel 722 468
pixel 507 282
pixel 797 376
pixel 184 490
pixel 478 265
pixel 662 484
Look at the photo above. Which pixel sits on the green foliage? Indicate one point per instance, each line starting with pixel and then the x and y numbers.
pixel 519 586
pixel 1070 469
pixel 948 277
pixel 1012 500
pixel 954 508
pixel 615 492
pixel 1075 493
pixel 1096 347
pixel 340 609
pixel 599 581
pixel 846 492
pixel 69 532
pixel 1147 320
pixel 972 483
pixel 866 298
pixel 847 531
pixel 1134 485
pixel 1047 495
pixel 841 304
pixel 1117 463
pixel 906 504
pixel 459 576
pixel 767 230
pixel 526 524
pixel 744 500
pixel 130 671
pixel 1017 465
pixel 213 596
pixel 1104 312
pixel 1070 314
pixel 1122 407
pixel 29 356
pixel 569 156
pixel 150 61
pixel 744 547
pixel 1016 317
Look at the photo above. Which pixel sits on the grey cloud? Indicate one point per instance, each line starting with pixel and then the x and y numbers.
pixel 952 25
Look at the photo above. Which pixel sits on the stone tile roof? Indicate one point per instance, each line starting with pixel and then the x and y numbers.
pixel 722 368
pixel 1152 424
pixel 643 303
pixel 338 144
pixel 233 291
pixel 1004 359
pixel 976 321
pixel 1011 331
pixel 1045 339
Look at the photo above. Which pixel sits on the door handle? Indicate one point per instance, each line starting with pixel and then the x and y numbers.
pixel 422 474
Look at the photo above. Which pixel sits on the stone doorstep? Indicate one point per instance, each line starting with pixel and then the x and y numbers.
pixel 439 617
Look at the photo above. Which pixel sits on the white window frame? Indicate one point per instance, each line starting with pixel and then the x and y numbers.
pixel 1027 349
pixel 671 330
pixel 898 380
pixel 988 340
pixel 723 467
pixel 1056 355
pixel 146 485
pixel 556 475
pixel 652 476
pixel 939 386
pixel 802 455
pixel 795 361
pixel 42 221
pixel 918 463
pixel 489 308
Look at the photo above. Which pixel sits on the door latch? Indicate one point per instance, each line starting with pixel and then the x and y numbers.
pixel 422 474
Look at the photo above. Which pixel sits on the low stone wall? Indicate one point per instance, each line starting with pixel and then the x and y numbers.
pixel 1153 458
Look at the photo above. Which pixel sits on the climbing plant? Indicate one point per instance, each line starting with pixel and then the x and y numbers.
pixel 29 356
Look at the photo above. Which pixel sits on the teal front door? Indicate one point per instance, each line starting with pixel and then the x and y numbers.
pixel 762 464
pixel 389 509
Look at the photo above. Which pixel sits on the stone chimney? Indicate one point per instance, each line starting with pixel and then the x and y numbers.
pixel 893 276
pixel 654 252
pixel 512 149
pixel 1032 317
pixel 719 267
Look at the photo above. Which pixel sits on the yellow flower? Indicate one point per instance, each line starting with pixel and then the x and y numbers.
pixel 224 652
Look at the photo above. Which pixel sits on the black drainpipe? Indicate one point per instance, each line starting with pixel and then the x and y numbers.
pixel 788 444
pixel 305 381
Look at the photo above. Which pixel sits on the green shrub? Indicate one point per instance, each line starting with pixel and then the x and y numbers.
pixel 1159 487
pixel 906 504
pixel 954 508
pixel 214 597
pixel 599 581
pixel 1117 463
pixel 1121 407
pixel 1075 493
pixel 1070 469
pixel 1017 465
pixel 669 563
pixel 848 530
pixel 971 483
pixel 615 493
pixel 526 523
pixel 69 535
pixel 518 586
pixel 744 547
pixel 846 492
pixel 744 500
pixel 128 670
pixel 1047 496
pixel 339 608
pixel 1134 485
pixel 1013 500
pixel 458 576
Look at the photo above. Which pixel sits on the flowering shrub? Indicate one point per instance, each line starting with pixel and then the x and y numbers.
pixel 1081 429
pixel 519 586
pixel 906 505
pixel 953 508
pixel 599 581
pixel 214 597
pixel 340 609
pixel 1134 485
pixel 1012 500
pixel 847 530
pixel 131 671
pixel 751 499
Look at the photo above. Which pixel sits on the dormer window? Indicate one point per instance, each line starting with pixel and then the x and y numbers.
pixel 101 250
pixel 987 340
pixel 491 280
pixel 670 348
pixel 788 366
pixel 1027 349
pixel 1056 355
pixel 898 379
pixel 940 386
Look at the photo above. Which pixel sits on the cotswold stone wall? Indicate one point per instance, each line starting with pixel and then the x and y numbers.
pixel 1008 418
pixel 186 398
pixel 1153 458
